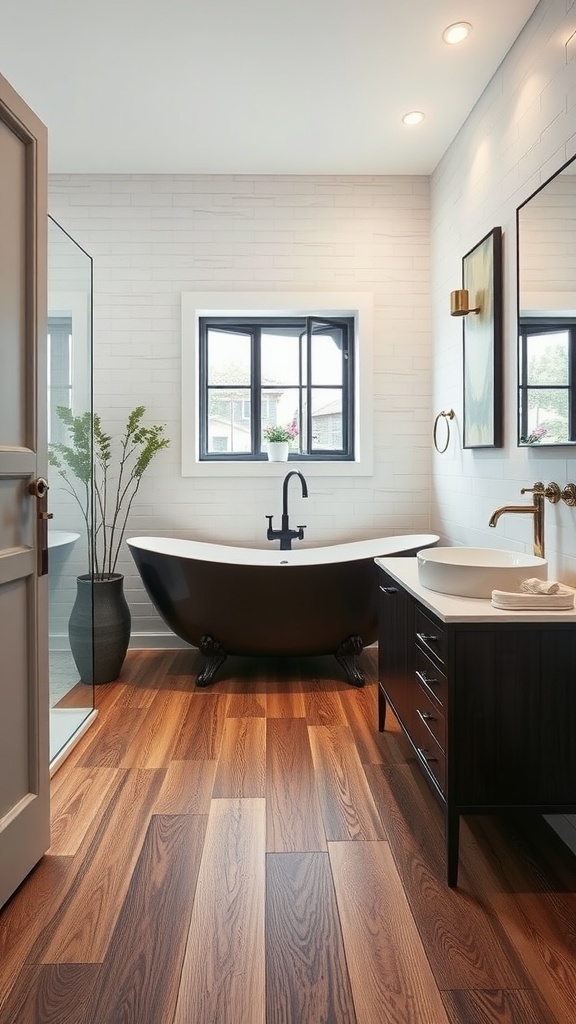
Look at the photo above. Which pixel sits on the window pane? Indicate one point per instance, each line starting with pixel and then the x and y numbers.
pixel 228 428
pixel 547 416
pixel 280 408
pixel 327 358
pixel 228 358
pixel 548 358
pixel 327 431
pixel 280 356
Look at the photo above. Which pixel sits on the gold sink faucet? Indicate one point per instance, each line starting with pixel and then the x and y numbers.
pixel 552 492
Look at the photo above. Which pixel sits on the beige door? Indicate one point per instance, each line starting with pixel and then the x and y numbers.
pixel 24 767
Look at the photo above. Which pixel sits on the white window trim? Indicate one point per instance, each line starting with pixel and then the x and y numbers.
pixel 360 305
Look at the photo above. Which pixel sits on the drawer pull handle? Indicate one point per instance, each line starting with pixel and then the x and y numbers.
pixel 425 679
pixel 425 756
pixel 427 638
pixel 389 590
pixel 426 716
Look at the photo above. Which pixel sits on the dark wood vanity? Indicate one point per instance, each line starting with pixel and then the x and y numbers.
pixel 486 698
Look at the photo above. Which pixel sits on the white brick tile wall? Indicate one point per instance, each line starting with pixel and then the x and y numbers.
pixel 154 237
pixel 520 132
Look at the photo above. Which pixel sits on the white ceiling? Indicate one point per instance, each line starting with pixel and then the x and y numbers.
pixel 251 86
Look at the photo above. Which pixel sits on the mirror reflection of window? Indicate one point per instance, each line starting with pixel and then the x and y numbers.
pixel 546 225
pixel 546 356
pixel 59 374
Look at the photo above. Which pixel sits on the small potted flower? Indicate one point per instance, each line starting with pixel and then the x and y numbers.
pixel 278 441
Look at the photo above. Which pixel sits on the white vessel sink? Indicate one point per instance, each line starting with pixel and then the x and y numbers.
pixel 476 572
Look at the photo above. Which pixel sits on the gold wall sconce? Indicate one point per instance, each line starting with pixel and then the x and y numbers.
pixel 460 303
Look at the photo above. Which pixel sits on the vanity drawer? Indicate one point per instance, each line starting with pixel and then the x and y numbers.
pixel 430 717
pixel 429 677
pixel 432 757
pixel 430 636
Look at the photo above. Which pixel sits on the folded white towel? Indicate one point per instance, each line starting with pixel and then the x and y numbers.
pixel 562 599
pixel 536 586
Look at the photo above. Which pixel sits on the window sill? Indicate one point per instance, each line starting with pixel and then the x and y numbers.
pixel 261 470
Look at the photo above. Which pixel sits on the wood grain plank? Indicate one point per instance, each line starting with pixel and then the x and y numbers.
pixel 284 689
pixel 243 703
pixel 139 980
pixel 78 696
pixel 187 788
pixel 322 702
pixel 540 925
pixel 201 733
pixel 182 668
pixel 75 804
pixel 306 974
pixel 105 701
pixel 51 994
pixel 28 911
pixel 504 941
pixel 245 683
pixel 348 808
pixel 242 762
pixel 109 744
pixel 148 672
pixel 389 970
pixel 155 739
pixel 293 815
pixel 496 1007
pixel 223 972
pixel 81 930
pixel 374 747
pixel 466 947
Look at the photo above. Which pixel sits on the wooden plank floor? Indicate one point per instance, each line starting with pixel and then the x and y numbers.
pixel 257 853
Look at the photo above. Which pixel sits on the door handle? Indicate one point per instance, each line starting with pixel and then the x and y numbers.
pixel 39 490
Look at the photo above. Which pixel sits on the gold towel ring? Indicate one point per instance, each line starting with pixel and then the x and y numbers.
pixel 448 415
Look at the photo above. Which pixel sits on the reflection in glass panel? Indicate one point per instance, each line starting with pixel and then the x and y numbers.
pixel 547 358
pixel 69 384
pixel 282 355
pixel 547 416
pixel 327 433
pixel 229 413
pixel 228 358
pixel 327 358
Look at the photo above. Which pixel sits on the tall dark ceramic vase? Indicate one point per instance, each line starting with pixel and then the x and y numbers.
pixel 99 628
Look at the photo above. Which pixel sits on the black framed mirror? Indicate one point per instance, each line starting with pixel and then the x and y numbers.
pixel 546 269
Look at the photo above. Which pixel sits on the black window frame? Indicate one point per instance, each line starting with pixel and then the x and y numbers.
pixel 530 327
pixel 309 326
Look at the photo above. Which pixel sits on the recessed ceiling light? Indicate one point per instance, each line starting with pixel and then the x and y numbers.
pixel 413 117
pixel 457 32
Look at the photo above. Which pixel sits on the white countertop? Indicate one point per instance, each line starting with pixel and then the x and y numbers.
pixel 464 609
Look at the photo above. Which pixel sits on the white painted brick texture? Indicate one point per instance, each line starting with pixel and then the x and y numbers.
pixel 520 132
pixel 154 237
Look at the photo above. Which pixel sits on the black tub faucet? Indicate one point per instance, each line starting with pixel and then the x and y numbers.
pixel 285 535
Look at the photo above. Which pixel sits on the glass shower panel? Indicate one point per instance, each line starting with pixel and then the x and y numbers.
pixel 69 386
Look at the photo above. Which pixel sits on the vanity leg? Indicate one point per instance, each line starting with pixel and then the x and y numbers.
pixel 452 845
pixel 381 709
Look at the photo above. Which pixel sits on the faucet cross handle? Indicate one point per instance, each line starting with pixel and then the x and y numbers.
pixel 569 494
pixel 552 491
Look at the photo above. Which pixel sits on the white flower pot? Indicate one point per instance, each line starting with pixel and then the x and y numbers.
pixel 278 451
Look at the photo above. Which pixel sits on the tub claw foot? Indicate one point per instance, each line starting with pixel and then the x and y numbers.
pixel 215 656
pixel 346 656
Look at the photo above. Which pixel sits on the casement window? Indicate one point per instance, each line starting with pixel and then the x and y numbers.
pixel 257 372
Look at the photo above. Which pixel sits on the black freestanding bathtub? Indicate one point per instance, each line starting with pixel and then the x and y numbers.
pixel 252 601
